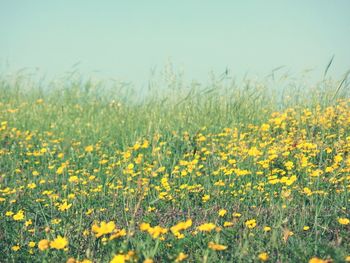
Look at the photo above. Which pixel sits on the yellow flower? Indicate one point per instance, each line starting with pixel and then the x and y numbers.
pixel 64 206
pixel 236 214
pixel 306 228
pixel 265 127
pixel 218 247
pixel 31 244
pixel 307 191
pixel 43 244
pixel 89 211
pixel 73 179
pixel 60 170
pixel 103 229
pixel 317 260
pixel 19 216
pixel 343 221
pixel 15 248
pixel 205 198
pixel 120 258
pixel 289 165
pixel 59 243
pixel 228 224
pixel 31 185
pixel 156 231
pixel 181 257
pixel 267 228
pixel 89 148
pixel 254 152
pixel 222 212
pixel 316 173
pixel 118 233
pixel 263 256
pixel 250 223
pixel 207 227
pixel 181 226
pixel 148 260
pixel 347 259
pixel 145 226
pixel 28 222
pixel 9 213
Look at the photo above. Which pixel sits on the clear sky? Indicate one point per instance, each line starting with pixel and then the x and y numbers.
pixel 126 39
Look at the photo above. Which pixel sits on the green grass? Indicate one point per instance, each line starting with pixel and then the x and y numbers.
pixel 203 140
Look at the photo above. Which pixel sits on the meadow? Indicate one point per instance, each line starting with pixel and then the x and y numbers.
pixel 229 171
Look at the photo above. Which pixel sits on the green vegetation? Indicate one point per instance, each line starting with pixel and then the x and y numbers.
pixel 225 172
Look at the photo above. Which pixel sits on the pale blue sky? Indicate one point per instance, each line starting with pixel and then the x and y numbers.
pixel 126 39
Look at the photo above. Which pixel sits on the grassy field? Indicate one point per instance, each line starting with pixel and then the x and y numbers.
pixel 230 171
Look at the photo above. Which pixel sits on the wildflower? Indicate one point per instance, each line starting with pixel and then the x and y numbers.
pixel 145 226
pixel 89 211
pixel 145 144
pixel 289 165
pixel 307 191
pixel 120 258
pixel 343 221
pixel 103 229
pixel 222 212
pixel 64 206
pixel 317 260
pixel 267 228
pixel 316 173
pixel 207 227
pixel 60 170
pixel 265 127
pixel 59 243
pixel 236 214
pixel 217 247
pixel 150 209
pixel 181 226
pixel 250 223
pixel 118 233
pixel 290 180
pixel 73 179
pixel 43 244
pixel 56 221
pixel 228 224
pixel 263 256
pixel 156 231
pixel 16 248
pixel 31 185
pixel 148 260
pixel 306 228
pixel 9 213
pixel 205 198
pixel 181 257
pixel 254 152
pixel 89 148
pixel 31 244
pixel 19 216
